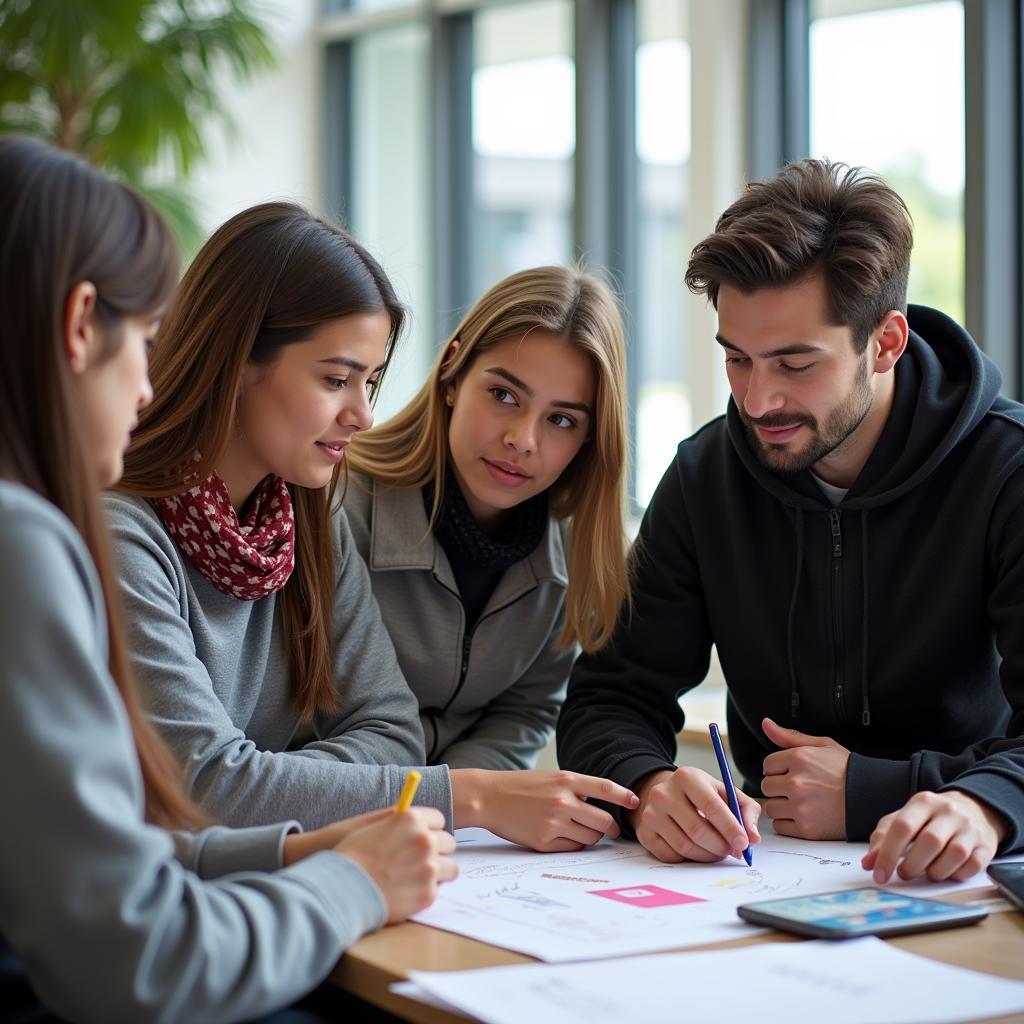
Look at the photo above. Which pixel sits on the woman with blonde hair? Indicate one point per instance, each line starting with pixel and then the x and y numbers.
pixel 105 913
pixel 490 514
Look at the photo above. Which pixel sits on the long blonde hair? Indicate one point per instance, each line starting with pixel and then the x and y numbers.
pixel 263 280
pixel 411 449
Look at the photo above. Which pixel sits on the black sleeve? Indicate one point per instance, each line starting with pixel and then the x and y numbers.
pixel 992 770
pixel 622 714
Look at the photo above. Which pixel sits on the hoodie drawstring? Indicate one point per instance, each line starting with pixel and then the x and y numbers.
pixel 794 689
pixel 865 715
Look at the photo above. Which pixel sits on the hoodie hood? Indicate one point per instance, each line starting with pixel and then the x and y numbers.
pixel 945 385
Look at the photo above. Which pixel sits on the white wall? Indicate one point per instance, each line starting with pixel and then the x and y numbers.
pixel 274 152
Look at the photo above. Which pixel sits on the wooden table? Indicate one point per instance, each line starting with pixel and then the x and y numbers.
pixel 995 946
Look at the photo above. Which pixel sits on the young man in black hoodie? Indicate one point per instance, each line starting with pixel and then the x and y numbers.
pixel 850 536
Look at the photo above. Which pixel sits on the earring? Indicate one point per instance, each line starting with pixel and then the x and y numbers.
pixel 449 399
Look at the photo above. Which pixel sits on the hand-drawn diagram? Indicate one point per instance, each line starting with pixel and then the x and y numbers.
pixel 509 867
pixel 752 884
pixel 824 861
pixel 535 902
pixel 524 897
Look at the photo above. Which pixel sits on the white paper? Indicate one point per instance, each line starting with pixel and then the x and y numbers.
pixel 410 990
pixel 616 899
pixel 847 982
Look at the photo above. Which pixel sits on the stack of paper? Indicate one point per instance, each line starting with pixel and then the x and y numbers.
pixel 847 982
pixel 615 899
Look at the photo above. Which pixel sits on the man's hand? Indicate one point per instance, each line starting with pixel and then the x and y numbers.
pixel 941 835
pixel 805 783
pixel 683 815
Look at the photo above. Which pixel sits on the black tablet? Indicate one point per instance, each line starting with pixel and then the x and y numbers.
pixel 1009 878
pixel 852 912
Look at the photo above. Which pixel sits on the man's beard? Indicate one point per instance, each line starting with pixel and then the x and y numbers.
pixel 841 422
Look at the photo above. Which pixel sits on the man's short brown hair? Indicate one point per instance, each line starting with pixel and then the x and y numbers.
pixel 814 217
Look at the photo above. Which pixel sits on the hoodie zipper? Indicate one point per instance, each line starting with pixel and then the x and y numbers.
pixel 835 517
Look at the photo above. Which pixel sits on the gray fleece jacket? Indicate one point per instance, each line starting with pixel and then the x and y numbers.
pixel 214 671
pixel 112 918
pixel 489 697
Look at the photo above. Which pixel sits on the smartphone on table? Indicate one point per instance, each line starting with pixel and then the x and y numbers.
pixel 852 912
pixel 1009 878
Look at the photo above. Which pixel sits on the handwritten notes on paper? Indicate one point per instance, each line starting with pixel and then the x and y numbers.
pixel 615 899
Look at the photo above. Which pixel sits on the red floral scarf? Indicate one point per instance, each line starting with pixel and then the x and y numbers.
pixel 245 560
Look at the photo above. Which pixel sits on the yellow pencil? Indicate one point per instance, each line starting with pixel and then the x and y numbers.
pixel 412 781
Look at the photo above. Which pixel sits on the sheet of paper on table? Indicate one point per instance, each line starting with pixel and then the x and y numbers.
pixel 615 899
pixel 845 982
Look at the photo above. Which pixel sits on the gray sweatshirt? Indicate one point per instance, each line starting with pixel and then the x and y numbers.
pixel 112 918
pixel 215 676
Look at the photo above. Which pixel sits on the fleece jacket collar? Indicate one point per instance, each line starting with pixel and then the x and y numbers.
pixel 401 538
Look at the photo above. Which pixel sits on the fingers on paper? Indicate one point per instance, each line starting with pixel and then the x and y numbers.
pixel 929 836
pixel 593 818
pixel 587 786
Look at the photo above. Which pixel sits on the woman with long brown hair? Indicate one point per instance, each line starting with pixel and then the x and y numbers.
pixel 104 913
pixel 253 632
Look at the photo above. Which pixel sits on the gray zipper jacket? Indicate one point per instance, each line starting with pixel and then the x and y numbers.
pixel 215 673
pixel 111 918
pixel 489 698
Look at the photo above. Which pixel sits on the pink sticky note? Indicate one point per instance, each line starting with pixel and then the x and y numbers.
pixel 646 896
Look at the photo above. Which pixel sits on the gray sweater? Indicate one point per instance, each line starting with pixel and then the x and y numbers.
pixel 111 917
pixel 215 675
pixel 489 697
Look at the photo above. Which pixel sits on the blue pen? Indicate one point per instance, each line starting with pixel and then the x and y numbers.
pixel 730 789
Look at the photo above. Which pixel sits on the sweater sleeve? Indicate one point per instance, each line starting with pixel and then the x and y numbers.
pixel 107 922
pixel 622 714
pixel 218 851
pixel 379 719
pixel 991 770
pixel 517 724
pixel 225 770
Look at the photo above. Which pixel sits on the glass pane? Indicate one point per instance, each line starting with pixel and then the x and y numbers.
pixel 334 6
pixel 901 113
pixel 663 154
pixel 524 136
pixel 390 200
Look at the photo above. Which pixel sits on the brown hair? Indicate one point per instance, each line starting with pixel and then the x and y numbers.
pixel 65 223
pixel 814 217
pixel 411 449
pixel 263 280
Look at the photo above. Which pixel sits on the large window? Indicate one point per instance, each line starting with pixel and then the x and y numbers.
pixel 389 205
pixel 663 155
pixel 523 97
pixel 887 92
